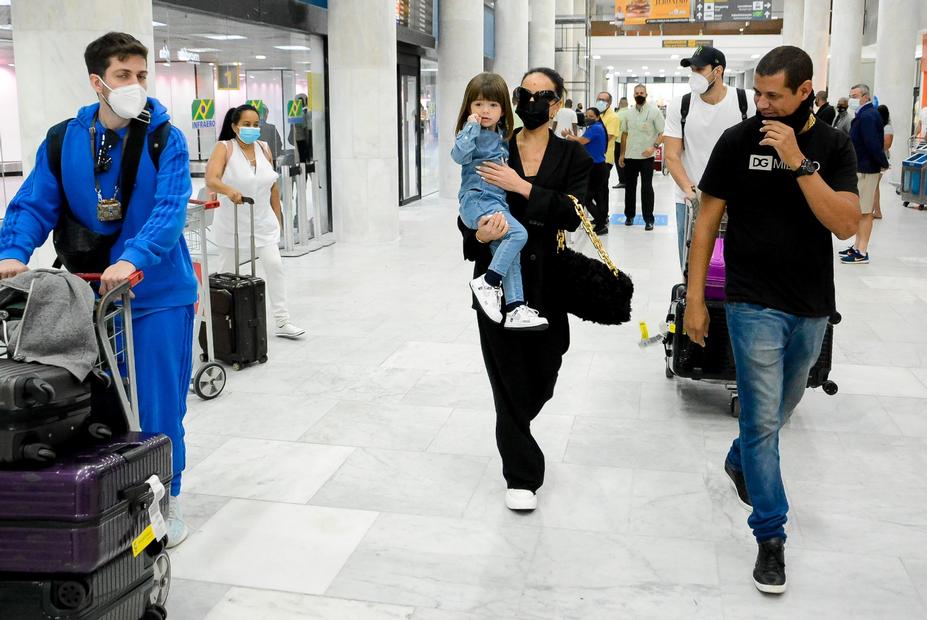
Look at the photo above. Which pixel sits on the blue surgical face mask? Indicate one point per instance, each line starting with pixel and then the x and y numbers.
pixel 249 135
pixel 601 105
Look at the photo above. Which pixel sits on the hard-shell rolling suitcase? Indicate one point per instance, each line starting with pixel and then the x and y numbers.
pixel 239 311
pixel 714 361
pixel 85 509
pixel 41 408
pixel 128 587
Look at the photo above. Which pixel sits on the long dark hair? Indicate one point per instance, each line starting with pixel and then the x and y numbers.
pixel 489 87
pixel 554 77
pixel 231 118
pixel 883 112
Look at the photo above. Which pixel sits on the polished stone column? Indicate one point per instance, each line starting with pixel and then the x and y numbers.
pixel 460 57
pixel 845 48
pixel 815 38
pixel 364 157
pixel 894 74
pixel 511 60
pixel 792 22
pixel 749 76
pixel 49 38
pixel 541 33
pixel 580 86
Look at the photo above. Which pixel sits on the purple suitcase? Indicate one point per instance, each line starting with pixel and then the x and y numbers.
pixel 82 511
pixel 715 279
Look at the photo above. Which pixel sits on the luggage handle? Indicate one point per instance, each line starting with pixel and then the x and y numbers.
pixel 134 278
pixel 249 201
pixel 206 204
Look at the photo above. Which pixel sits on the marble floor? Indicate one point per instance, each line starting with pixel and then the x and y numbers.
pixel 355 475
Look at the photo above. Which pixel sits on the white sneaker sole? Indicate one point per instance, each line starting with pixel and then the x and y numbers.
pixel 527 328
pixel 517 503
pixel 768 589
pixel 742 503
pixel 291 336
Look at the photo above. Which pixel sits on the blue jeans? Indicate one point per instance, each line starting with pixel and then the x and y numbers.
pixel 506 252
pixel 681 231
pixel 773 352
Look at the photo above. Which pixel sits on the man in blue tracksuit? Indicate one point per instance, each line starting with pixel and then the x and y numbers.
pixel 148 232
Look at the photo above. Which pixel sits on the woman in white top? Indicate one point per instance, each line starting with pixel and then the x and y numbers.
pixel 235 169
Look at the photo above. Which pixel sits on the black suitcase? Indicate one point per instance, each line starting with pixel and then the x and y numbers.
pixel 84 510
pixel 239 311
pixel 129 587
pixel 715 361
pixel 41 408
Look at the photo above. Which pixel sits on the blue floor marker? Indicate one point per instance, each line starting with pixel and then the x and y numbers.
pixel 658 220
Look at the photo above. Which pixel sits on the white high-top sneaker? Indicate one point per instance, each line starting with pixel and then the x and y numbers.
pixel 177 530
pixel 489 297
pixel 525 318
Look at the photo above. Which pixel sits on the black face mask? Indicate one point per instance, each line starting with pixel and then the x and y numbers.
pixel 841 109
pixel 639 100
pixel 797 119
pixel 533 113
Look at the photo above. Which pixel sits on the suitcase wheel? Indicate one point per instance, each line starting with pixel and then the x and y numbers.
pixel 829 387
pixel 70 595
pixel 40 452
pixel 237 366
pixel 155 612
pixel 735 406
pixel 263 360
pixel 162 580
pixel 669 371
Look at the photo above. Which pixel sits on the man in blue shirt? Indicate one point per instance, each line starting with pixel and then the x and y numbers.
pixel 80 187
pixel 595 139
pixel 868 136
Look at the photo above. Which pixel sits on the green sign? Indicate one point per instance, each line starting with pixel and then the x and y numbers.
pixel 204 113
pixel 295 111
pixel 258 105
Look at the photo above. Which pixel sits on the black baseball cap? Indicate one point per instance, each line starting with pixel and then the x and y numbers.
pixel 705 55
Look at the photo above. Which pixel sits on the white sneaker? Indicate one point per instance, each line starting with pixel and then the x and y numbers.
pixel 526 319
pixel 288 330
pixel 177 530
pixel 489 297
pixel 520 499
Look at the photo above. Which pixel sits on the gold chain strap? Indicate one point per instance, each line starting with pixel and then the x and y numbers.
pixel 596 242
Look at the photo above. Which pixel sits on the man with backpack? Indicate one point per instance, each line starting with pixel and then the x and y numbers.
pixel 694 122
pixel 113 184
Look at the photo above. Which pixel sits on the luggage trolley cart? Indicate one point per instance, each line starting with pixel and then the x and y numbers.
pixel 209 379
pixel 914 177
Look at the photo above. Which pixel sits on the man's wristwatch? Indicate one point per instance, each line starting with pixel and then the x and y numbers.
pixel 805 167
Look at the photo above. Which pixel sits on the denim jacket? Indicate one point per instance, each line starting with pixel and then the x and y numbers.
pixel 473 146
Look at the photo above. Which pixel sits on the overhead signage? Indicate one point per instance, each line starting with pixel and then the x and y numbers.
pixel 204 113
pixel 184 55
pixel 639 12
pixel 688 43
pixel 227 77
pixel 732 10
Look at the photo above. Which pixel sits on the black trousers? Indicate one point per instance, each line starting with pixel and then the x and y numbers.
pixel 621 171
pixel 633 168
pixel 597 193
pixel 522 369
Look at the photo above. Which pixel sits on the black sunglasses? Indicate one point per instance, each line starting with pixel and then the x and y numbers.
pixel 523 96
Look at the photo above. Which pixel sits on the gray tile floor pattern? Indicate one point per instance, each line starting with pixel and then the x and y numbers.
pixel 355 475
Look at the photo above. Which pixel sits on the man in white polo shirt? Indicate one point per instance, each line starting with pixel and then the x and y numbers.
pixel 694 122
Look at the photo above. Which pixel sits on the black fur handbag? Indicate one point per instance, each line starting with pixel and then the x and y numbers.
pixel 592 290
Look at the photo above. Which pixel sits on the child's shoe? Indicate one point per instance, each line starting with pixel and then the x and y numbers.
pixel 526 319
pixel 489 298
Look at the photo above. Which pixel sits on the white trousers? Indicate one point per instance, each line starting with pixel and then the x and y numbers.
pixel 269 267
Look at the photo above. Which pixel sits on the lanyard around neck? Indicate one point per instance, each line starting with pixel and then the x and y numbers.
pixel 93 158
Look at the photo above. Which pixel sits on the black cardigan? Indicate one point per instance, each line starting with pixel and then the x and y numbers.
pixel 564 170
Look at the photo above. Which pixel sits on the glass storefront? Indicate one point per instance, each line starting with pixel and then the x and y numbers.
pixel 429 111
pixel 207 65
pixel 409 129
pixel 10 150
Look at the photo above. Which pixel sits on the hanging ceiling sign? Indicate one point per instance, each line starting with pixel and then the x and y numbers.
pixel 732 10
pixel 639 12
pixel 204 113
pixel 688 43
pixel 227 77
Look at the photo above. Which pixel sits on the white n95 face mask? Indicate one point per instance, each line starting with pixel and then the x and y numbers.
pixel 126 101
pixel 699 84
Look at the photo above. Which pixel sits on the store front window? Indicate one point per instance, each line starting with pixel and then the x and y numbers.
pixel 208 64
pixel 10 149
pixel 429 111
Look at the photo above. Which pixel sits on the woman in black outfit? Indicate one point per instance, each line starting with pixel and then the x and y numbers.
pixel 523 367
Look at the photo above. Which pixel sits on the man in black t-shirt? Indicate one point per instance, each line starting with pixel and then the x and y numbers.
pixel 788 182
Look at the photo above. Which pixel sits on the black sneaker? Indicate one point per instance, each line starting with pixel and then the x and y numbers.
pixel 769 572
pixel 648 226
pixel 601 230
pixel 847 252
pixel 629 222
pixel 740 485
